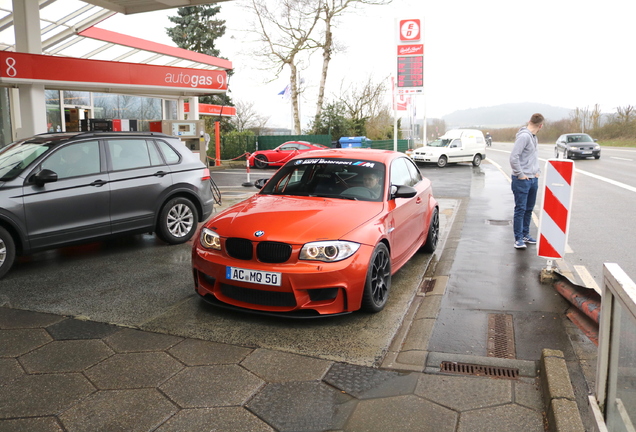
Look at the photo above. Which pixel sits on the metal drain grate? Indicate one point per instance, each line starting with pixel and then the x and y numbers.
pixel 427 285
pixel 479 370
pixel 501 336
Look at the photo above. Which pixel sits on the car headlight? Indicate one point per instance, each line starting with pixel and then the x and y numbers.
pixel 574 148
pixel 328 251
pixel 209 239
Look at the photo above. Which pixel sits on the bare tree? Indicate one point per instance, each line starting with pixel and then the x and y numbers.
pixel 363 101
pixel 286 30
pixel 595 116
pixel 247 117
pixel 331 10
pixel 625 114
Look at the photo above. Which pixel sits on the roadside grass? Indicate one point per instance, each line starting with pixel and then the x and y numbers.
pixel 618 143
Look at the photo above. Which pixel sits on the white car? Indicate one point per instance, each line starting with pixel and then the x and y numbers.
pixel 457 145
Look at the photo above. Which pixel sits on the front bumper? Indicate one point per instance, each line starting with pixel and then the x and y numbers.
pixel 308 288
pixel 425 158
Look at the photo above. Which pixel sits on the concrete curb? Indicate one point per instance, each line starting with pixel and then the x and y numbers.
pixel 558 395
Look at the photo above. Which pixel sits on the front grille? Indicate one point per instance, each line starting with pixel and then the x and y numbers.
pixel 273 252
pixel 259 297
pixel 266 252
pixel 239 248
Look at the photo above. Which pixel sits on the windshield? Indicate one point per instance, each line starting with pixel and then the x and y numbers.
pixel 440 142
pixel 15 157
pixel 332 178
pixel 579 138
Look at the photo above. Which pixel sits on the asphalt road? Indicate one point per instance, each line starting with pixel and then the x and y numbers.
pixel 603 208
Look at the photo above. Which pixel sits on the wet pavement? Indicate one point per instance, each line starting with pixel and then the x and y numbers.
pixel 157 371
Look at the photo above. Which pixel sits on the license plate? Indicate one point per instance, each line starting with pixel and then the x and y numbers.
pixel 586 152
pixel 253 276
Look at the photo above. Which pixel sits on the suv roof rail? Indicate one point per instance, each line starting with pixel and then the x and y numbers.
pixel 114 133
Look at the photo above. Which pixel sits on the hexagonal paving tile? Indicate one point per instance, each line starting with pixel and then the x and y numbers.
pixel 277 366
pixel 215 419
pixel 132 340
pixel 72 328
pixel 212 386
pixel 40 395
pixel 387 414
pixel 20 341
pixel 133 370
pixel 196 352
pixel 66 356
pixel 9 370
pixel 528 395
pixel 119 410
pixel 504 418
pixel 17 318
pixel 301 406
pixel 41 424
pixel 366 382
pixel 464 393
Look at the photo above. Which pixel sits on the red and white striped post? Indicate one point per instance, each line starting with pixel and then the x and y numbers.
pixel 555 211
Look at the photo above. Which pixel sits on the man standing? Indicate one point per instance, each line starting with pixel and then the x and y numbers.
pixel 524 161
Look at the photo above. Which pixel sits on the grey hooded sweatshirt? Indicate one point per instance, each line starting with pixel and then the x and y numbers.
pixel 524 158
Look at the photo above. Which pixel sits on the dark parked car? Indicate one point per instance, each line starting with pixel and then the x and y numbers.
pixel 66 188
pixel 576 145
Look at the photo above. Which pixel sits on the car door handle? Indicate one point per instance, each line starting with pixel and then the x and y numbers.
pixel 98 183
pixel 160 173
pixel 418 200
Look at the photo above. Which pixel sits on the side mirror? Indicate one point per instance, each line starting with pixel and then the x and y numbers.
pixel 44 176
pixel 595 140
pixel 402 191
pixel 258 184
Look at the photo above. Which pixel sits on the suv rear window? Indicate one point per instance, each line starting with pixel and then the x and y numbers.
pixel 172 157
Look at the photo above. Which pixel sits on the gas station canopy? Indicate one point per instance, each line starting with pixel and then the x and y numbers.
pixel 67 30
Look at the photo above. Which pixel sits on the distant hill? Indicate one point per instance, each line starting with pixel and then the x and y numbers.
pixel 502 116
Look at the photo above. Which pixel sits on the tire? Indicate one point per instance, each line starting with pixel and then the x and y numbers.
pixel 442 161
pixel 7 251
pixel 178 221
pixel 260 161
pixel 378 282
pixel 433 233
pixel 477 160
pixel 556 152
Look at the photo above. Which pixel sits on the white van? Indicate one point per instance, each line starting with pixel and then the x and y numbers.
pixel 457 145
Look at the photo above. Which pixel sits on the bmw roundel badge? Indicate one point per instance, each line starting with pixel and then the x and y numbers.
pixel 259 233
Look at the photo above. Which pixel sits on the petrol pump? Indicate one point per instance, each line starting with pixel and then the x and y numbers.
pixel 191 132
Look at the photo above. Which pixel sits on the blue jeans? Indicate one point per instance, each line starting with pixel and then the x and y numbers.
pixel 525 193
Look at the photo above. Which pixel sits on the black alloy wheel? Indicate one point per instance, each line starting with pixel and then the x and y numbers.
pixel 378 282
pixel 433 233
pixel 260 161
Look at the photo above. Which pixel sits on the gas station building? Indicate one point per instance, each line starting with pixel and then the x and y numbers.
pixel 58 72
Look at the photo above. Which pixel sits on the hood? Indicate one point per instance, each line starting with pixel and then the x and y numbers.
pixel 295 220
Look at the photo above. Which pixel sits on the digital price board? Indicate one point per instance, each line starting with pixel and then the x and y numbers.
pixel 410 71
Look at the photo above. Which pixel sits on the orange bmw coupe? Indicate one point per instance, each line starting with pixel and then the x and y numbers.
pixel 322 237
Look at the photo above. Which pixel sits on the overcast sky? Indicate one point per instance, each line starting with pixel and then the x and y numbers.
pixel 566 53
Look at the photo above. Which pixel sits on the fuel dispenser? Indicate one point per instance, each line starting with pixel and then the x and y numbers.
pixel 191 132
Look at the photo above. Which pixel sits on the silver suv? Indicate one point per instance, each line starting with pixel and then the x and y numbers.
pixel 67 188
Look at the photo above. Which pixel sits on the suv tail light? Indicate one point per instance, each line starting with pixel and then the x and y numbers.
pixel 206 174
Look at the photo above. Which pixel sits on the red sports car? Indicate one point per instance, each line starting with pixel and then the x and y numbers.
pixel 281 154
pixel 323 236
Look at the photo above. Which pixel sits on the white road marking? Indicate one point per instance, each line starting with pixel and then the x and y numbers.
pixel 624 159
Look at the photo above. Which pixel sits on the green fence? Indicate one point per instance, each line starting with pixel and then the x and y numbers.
pixel 402 145
pixel 233 147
